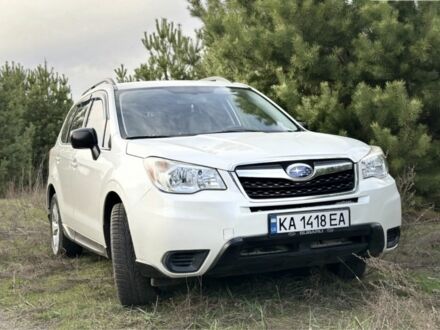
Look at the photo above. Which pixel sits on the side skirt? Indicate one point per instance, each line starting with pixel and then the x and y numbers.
pixel 85 242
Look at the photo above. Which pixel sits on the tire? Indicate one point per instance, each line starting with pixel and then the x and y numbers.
pixel 60 244
pixel 353 267
pixel 133 289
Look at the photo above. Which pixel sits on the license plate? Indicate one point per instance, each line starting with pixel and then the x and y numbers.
pixel 304 222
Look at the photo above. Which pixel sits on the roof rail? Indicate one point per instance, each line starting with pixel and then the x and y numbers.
pixel 216 78
pixel 105 81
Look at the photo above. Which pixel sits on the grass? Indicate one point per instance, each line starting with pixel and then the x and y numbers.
pixel 38 290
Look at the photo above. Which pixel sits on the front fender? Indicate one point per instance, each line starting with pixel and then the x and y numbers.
pixel 130 182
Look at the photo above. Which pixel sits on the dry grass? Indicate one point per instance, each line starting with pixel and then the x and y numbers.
pixel 401 291
pixel 406 185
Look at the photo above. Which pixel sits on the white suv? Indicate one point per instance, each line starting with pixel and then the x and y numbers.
pixel 177 179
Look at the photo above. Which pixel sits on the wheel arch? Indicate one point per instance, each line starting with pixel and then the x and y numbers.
pixel 111 199
pixel 49 194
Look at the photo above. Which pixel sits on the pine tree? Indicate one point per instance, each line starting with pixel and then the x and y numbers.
pixel 47 102
pixel 171 55
pixel 366 69
pixel 33 104
pixel 15 135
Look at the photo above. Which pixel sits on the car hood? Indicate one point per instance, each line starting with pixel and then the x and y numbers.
pixel 226 151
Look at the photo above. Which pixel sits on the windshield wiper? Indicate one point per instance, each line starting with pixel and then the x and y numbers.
pixel 150 137
pixel 146 137
pixel 235 130
pixel 136 137
pixel 244 131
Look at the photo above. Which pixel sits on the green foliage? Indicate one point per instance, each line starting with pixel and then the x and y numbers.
pixel 390 119
pixel 171 55
pixel 33 104
pixel 15 135
pixel 365 69
pixel 48 100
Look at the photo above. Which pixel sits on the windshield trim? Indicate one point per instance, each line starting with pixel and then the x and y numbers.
pixel 125 136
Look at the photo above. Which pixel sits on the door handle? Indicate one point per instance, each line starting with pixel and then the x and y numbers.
pixel 74 163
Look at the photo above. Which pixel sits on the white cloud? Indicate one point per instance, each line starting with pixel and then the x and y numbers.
pixel 84 39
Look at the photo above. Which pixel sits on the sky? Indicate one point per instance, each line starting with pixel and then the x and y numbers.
pixel 84 39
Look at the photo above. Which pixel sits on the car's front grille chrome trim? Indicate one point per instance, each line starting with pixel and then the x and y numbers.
pixel 277 171
pixel 270 181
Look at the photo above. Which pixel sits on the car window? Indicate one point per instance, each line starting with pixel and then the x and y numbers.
pixel 66 125
pixel 97 119
pixel 179 111
pixel 78 119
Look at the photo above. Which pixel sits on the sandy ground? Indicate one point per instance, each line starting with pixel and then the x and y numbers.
pixel 6 323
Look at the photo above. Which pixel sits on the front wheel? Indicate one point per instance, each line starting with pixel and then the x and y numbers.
pixel 133 288
pixel 60 244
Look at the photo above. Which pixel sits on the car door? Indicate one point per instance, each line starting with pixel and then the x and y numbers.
pixel 64 155
pixel 62 158
pixel 90 174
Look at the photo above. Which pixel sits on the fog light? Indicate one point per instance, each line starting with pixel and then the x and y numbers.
pixel 393 237
pixel 185 261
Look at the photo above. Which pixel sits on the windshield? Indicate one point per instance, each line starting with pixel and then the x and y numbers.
pixel 180 111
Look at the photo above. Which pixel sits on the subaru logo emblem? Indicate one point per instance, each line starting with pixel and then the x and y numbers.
pixel 300 171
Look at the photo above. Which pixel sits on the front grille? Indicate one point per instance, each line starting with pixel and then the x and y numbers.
pixel 266 188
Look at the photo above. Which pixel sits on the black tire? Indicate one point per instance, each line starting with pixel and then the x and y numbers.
pixel 133 288
pixel 353 267
pixel 60 244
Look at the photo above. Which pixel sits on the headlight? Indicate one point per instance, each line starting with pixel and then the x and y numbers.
pixel 374 164
pixel 181 178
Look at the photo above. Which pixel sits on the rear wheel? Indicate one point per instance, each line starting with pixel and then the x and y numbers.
pixel 353 267
pixel 60 244
pixel 133 288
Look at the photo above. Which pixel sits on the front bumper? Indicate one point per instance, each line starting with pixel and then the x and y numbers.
pixel 220 223
pixel 297 251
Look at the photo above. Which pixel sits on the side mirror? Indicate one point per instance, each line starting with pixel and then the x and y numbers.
pixel 85 138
